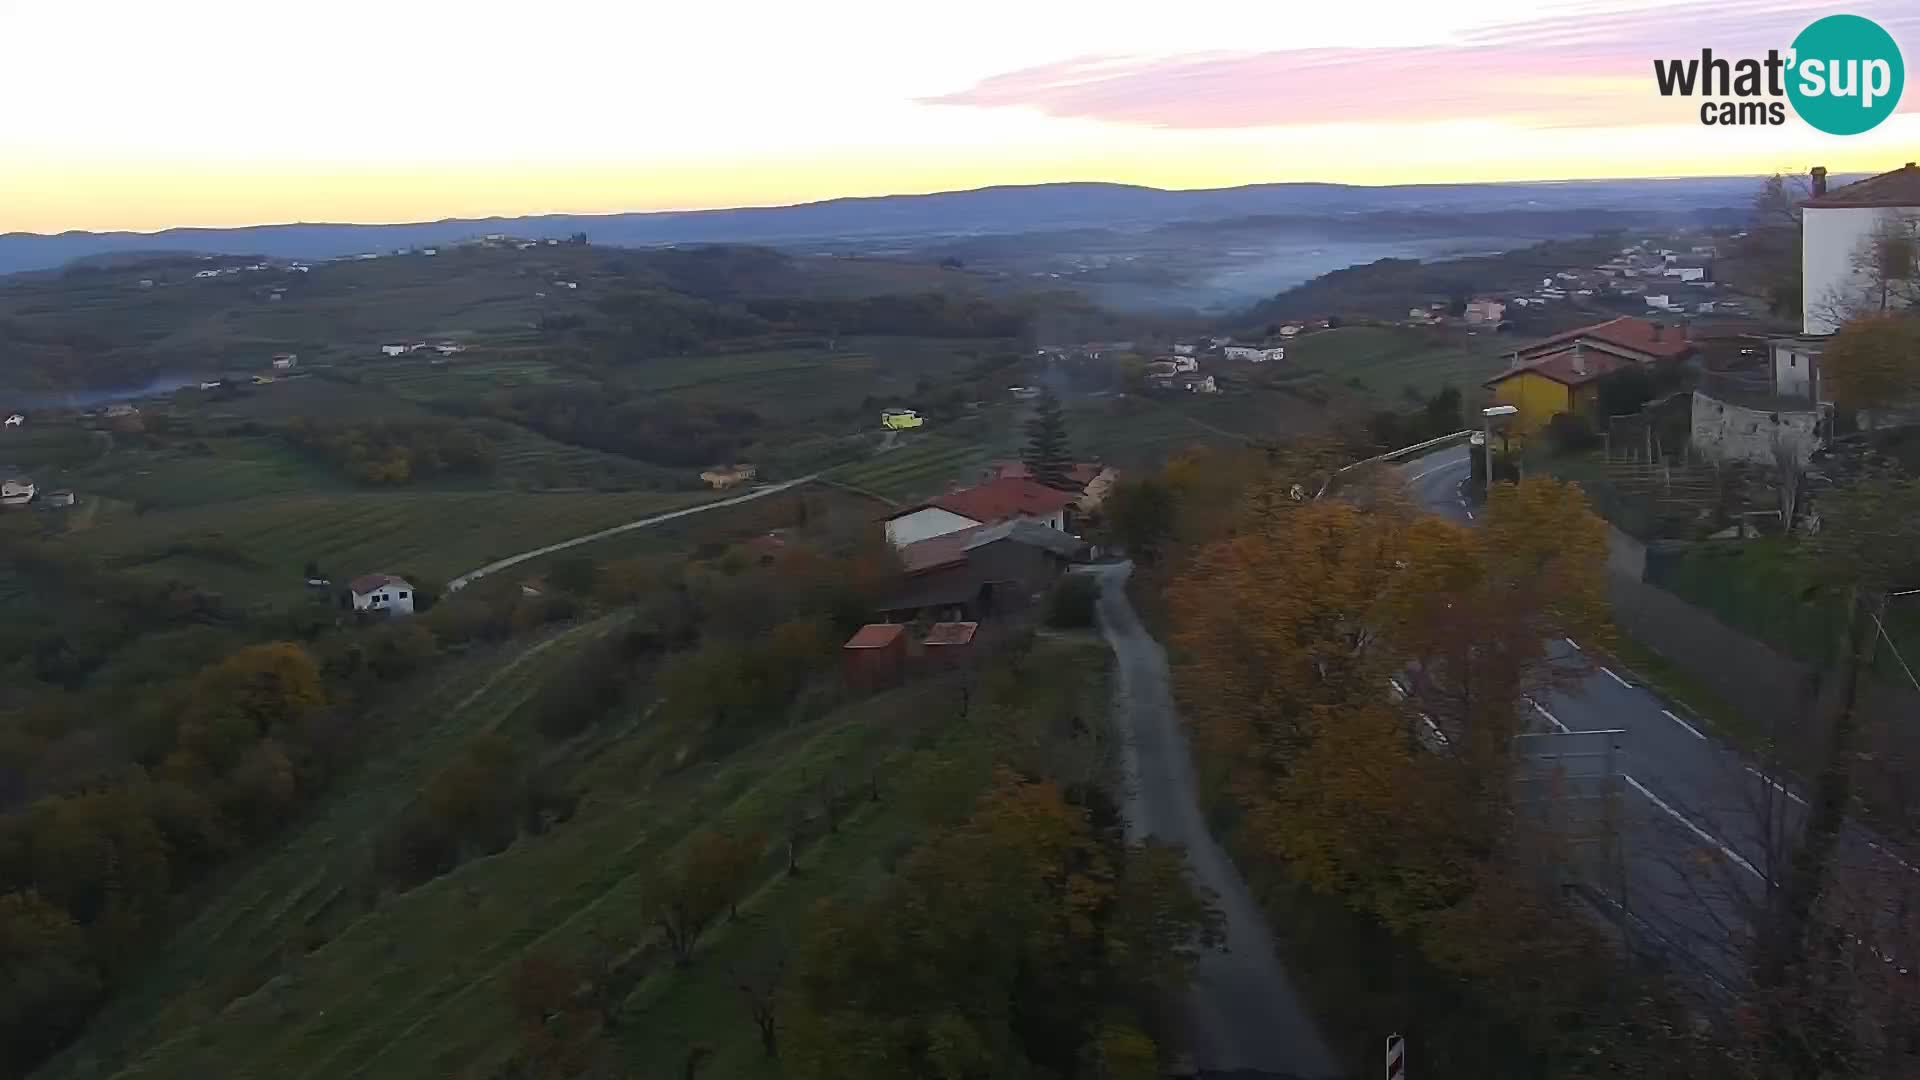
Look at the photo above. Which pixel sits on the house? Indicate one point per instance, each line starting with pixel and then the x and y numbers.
pixel 60 498
pixel 1002 499
pixel 1183 350
pixel 1565 380
pixel 285 361
pixel 900 419
pixel 1659 301
pixel 449 348
pixel 1643 341
pixel 211 384
pixel 1485 310
pixel 382 593
pixel 1687 273
pixel 983 570
pixel 721 477
pixel 120 409
pixel 16 420
pixel 1838 229
pixel 17 491
pixel 1290 330
pixel 206 273
pixel 393 350
pixel 874 656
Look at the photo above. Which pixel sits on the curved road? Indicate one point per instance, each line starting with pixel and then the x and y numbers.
pixel 1243 1012
pixel 514 560
pixel 1700 829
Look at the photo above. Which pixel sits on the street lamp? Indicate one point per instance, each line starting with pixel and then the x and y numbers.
pixel 1488 415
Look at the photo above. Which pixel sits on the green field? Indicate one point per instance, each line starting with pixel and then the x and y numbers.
pixel 1389 361
pixel 256 548
pixel 286 971
pixel 921 466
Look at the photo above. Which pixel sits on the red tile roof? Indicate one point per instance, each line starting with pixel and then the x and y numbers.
pixel 951 633
pixel 1901 187
pixel 998 500
pixel 367 583
pixel 1559 367
pixel 1627 332
pixel 875 636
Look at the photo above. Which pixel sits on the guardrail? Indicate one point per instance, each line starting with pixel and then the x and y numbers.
pixel 1394 454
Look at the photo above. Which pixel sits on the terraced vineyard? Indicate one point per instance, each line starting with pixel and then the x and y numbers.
pixel 417 379
pixel 227 469
pixel 925 466
pixel 258 547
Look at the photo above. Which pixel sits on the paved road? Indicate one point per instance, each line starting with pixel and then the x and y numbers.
pixel 514 560
pixel 1701 829
pixel 1243 1012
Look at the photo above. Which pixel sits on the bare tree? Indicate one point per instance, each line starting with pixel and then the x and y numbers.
pixel 759 980
pixel 1885 273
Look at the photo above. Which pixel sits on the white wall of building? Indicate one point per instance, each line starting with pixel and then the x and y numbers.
pixel 924 524
pixel 1793 370
pixel 1830 239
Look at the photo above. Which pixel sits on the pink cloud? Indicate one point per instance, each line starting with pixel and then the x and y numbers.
pixel 1539 72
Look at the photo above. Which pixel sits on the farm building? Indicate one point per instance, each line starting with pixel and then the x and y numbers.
pixel 285 361
pixel 984 504
pixel 875 656
pixel 900 419
pixel 721 477
pixel 382 593
pixel 17 490
pixel 991 569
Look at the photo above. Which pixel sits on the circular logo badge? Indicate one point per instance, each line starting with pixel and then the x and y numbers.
pixel 1847 74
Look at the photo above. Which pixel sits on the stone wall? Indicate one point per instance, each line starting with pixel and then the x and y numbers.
pixel 1725 431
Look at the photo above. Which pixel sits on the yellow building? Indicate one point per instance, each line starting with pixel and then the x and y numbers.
pixel 899 419
pixel 1563 381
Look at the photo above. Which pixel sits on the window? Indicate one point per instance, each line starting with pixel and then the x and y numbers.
pixel 1793 360
pixel 403 596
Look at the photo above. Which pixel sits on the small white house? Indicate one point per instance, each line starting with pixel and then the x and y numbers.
pixel 1183 350
pixel 18 491
pixel 16 420
pixel 382 593
pixel 1252 354
pixel 393 350
pixel 1289 330
pixel 285 361
pixel 1687 273
pixel 206 273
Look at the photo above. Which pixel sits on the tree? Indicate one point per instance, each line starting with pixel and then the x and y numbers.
pixel 1140 512
pixel 1885 274
pixel 759 981
pixel 50 982
pixel 1873 361
pixel 557 1032
pixel 709 880
pixel 1046 455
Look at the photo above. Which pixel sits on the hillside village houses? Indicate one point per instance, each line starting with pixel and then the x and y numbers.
pixel 997 500
pixel 1561 374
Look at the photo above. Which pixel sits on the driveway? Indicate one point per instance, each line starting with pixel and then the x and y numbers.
pixel 647 522
pixel 1243 1013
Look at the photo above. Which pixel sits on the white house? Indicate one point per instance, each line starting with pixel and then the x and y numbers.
pixel 1289 330
pixel 383 593
pixel 206 273
pixel 16 420
pixel 1795 361
pixel 1837 234
pixel 285 361
pixel 1183 350
pixel 393 350
pixel 1686 273
pixel 18 491
pixel 1485 311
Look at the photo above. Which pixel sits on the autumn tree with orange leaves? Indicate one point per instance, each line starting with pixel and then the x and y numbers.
pixel 1326 650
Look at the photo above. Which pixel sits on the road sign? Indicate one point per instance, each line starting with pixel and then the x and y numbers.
pixel 1396 1057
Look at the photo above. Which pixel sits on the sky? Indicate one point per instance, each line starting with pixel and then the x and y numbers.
pixel 129 114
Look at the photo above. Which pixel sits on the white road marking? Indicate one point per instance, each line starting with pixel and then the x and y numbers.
pixel 1616 678
pixel 1691 730
pixel 1551 719
pixel 1775 785
pixel 1904 865
pixel 1732 855
pixel 1570 641
pixel 1417 477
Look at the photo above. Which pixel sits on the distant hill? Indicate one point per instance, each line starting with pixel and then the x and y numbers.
pixel 875 222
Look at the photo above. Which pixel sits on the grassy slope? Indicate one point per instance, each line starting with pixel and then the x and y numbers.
pixel 1388 360
pixel 414 987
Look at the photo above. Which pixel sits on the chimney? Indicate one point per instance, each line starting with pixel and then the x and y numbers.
pixel 1579 359
pixel 1819 180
